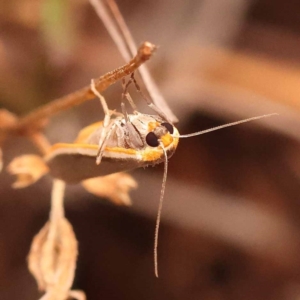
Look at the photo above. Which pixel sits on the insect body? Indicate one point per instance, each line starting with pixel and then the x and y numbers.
pixel 126 142
pixel 138 141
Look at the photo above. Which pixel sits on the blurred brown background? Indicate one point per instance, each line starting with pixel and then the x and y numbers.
pixel 231 218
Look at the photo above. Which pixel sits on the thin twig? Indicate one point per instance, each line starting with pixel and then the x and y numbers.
pixel 41 142
pixel 56 216
pixel 115 24
pixel 48 255
pixel 57 199
pixel 38 116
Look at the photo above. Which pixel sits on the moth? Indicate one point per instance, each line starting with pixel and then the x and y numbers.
pixel 122 143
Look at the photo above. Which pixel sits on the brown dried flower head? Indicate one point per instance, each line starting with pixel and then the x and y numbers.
pixel 28 169
pixel 116 187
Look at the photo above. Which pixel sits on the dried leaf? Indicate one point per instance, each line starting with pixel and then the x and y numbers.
pixel 116 187
pixel 35 257
pixel 53 253
pixel 52 261
pixel 28 169
pixel 7 118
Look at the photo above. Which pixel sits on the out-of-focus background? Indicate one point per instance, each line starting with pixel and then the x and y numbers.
pixel 231 218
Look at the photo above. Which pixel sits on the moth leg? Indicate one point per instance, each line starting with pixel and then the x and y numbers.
pixel 148 101
pixel 106 121
pixel 107 112
pixel 133 138
pixel 126 95
pixel 108 132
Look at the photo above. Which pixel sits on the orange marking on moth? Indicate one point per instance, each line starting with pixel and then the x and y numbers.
pixel 152 126
pixel 175 141
pixel 121 150
pixel 152 154
pixel 93 147
pixel 72 146
pixel 166 139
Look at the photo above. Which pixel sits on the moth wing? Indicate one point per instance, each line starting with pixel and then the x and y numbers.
pixel 76 162
pixel 85 133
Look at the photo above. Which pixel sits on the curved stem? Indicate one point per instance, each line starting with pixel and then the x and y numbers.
pixel 37 117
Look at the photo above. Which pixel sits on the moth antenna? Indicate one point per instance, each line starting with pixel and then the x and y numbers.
pixel 126 95
pixel 103 144
pixel 137 87
pixel 124 112
pixel 116 26
pixel 149 102
pixel 226 125
pixel 133 139
pixel 158 217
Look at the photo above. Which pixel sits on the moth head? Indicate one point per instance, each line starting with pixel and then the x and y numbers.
pixel 161 133
pixel 154 131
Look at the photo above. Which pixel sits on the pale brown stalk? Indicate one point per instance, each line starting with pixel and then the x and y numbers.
pixel 36 119
pixel 53 253
pixel 115 24
pixel 41 142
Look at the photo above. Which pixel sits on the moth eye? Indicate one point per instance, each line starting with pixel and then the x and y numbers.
pixel 152 139
pixel 169 127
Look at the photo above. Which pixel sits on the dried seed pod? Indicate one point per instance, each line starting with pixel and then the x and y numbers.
pixel 52 261
pixel 28 169
pixel 116 187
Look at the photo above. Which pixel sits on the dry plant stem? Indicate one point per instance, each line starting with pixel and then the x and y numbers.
pixel 35 257
pixel 9 120
pixel 103 11
pixel 53 253
pixel 41 142
pixel 57 279
pixel 57 198
pixel 115 24
pixel 144 53
pixel 56 216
